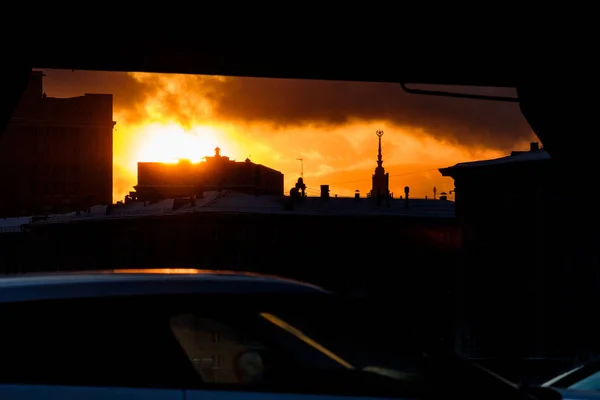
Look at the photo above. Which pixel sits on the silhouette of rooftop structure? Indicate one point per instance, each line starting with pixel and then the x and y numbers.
pixel 381 179
pixel 535 153
pixel 157 180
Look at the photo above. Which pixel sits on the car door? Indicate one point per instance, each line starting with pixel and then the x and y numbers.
pixel 87 349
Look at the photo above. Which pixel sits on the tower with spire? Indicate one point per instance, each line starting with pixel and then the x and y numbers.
pixel 380 187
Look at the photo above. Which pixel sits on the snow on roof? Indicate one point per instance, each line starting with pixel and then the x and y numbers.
pixel 140 208
pixel 14 224
pixel 229 202
pixel 518 157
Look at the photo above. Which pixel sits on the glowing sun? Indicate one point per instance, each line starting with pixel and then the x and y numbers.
pixel 171 142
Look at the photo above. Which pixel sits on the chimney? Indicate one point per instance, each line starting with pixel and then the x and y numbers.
pixel 324 192
pixel 357 195
pixel 534 146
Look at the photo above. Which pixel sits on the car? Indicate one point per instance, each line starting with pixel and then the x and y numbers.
pixel 170 334
pixel 581 382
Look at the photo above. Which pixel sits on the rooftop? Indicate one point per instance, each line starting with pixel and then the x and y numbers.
pixel 230 202
pixel 514 157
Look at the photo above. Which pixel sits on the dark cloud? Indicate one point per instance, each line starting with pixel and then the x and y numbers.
pixel 290 102
pixel 293 103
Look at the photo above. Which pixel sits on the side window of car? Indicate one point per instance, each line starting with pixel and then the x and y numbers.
pixel 268 362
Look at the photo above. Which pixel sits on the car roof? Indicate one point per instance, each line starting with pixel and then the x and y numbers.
pixel 75 285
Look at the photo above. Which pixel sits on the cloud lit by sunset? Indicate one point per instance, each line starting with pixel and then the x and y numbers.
pixel 330 125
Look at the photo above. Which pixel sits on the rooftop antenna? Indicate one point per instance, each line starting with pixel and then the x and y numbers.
pixel 301 167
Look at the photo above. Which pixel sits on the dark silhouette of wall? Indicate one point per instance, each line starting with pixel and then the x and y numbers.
pixel 408 264
pixel 56 153
pixel 408 258
pixel 521 298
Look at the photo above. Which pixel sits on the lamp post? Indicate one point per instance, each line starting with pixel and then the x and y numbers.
pixel 301 166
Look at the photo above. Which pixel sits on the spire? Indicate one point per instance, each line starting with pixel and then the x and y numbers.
pixel 380 188
pixel 379 134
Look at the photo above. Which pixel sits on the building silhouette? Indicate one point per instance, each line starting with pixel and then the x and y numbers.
pixel 381 179
pixel 56 153
pixel 184 179
pixel 516 284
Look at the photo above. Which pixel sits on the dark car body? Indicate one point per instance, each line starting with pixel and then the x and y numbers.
pixel 215 334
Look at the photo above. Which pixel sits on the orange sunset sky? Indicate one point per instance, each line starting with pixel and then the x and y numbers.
pixel 331 125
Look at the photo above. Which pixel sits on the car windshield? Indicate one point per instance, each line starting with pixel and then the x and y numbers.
pixel 455 215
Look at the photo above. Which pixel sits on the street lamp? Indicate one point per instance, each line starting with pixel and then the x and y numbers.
pixel 301 166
